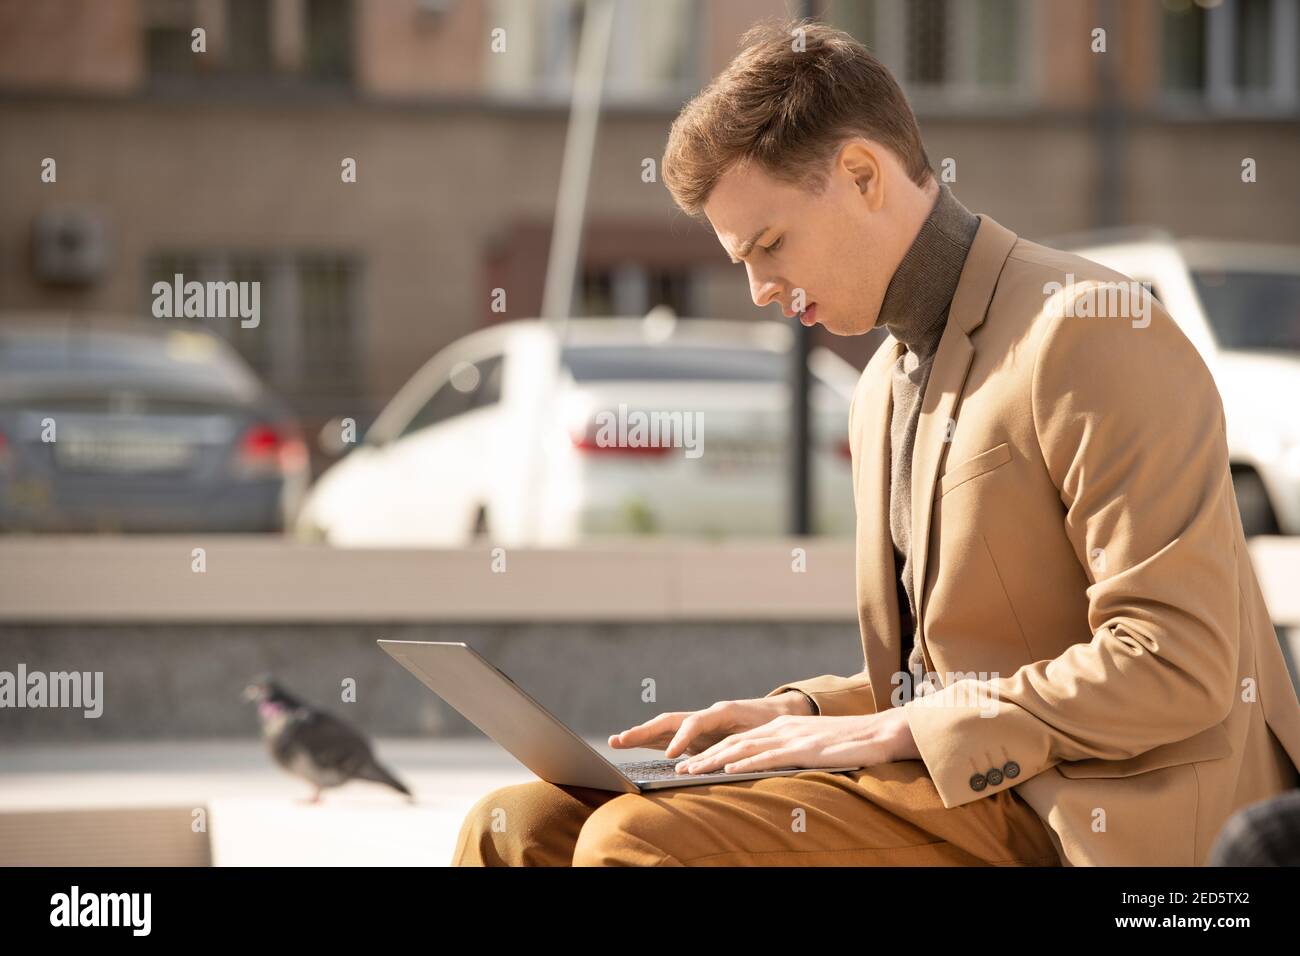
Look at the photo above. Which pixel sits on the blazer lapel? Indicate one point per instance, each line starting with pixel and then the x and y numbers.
pixel 876 575
pixel 979 276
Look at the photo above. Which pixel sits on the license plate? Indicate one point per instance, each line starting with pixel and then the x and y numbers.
pixel 736 456
pixel 122 452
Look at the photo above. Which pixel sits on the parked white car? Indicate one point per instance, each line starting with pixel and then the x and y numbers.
pixel 512 436
pixel 1239 303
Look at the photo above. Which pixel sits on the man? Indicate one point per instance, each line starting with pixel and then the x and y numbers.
pixel 1068 659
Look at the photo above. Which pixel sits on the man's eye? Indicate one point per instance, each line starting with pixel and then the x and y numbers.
pixel 776 245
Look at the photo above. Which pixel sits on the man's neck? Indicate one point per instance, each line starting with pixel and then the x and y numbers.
pixel 915 307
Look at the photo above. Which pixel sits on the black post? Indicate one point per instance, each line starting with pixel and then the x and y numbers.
pixel 799 486
pixel 800 382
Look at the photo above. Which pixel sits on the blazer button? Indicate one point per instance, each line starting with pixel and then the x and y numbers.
pixel 978 782
pixel 1011 768
pixel 994 777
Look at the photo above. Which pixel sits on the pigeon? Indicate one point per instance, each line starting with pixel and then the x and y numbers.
pixel 313 744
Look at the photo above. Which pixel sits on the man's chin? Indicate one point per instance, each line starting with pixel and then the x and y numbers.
pixel 827 322
pixel 834 329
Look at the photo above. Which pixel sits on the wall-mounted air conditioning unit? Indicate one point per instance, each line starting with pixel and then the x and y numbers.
pixel 70 245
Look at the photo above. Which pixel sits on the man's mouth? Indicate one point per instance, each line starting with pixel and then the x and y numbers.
pixel 809 315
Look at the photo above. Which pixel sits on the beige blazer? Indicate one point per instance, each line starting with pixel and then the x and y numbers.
pixel 1080 560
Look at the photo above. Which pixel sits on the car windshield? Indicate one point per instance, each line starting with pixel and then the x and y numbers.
pixel 593 363
pixel 1252 310
pixel 172 358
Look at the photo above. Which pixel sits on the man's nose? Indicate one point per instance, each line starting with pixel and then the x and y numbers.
pixel 764 291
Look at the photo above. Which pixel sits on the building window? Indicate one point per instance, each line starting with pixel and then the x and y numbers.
pixel 329 39
pixel 947 51
pixel 857 19
pixel 1183 36
pixel 248 38
pixel 257 43
pixel 1252 49
pixel 1231 54
pixel 167 40
pixel 654 49
pixel 927 42
pixel 257 344
pixel 306 344
pixel 633 290
pixel 327 306
pixel 998 43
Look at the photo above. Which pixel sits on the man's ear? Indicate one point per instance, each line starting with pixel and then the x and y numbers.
pixel 861 160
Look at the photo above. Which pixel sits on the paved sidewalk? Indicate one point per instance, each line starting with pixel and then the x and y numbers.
pixel 255 812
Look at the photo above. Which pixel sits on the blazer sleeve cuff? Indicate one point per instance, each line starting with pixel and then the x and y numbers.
pixel 834 696
pixel 974 750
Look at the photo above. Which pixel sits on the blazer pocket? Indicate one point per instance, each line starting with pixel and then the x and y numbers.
pixel 982 463
pixel 1210 744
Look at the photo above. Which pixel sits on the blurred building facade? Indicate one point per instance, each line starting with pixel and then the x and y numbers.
pixel 227 164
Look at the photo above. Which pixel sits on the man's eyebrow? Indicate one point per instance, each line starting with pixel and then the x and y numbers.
pixel 748 245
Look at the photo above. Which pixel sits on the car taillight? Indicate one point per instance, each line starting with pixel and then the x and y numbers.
pixel 268 450
pixel 585 438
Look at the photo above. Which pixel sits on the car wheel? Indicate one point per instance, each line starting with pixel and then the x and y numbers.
pixel 1252 501
pixel 479 532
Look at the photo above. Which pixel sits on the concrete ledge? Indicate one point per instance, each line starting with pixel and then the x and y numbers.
pixel 253 578
pixel 121 836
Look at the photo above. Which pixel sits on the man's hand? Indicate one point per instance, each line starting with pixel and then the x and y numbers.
pixel 689 732
pixel 789 741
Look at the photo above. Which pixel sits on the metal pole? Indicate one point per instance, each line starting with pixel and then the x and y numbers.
pixel 570 212
pixel 798 485
pixel 800 488
pixel 575 171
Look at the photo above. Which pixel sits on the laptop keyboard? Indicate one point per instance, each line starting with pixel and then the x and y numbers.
pixel 660 770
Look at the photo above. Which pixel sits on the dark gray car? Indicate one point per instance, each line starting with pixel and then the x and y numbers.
pixel 140 427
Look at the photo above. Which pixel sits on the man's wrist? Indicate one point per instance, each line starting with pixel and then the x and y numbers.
pixel 798 703
pixel 902 743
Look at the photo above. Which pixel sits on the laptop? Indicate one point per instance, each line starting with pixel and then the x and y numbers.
pixel 500 708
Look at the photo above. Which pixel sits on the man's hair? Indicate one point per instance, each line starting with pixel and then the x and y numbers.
pixel 788 109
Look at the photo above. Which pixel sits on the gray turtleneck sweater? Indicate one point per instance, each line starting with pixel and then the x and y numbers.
pixel 915 311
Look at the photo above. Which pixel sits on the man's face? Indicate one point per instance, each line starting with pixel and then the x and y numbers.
pixel 840 248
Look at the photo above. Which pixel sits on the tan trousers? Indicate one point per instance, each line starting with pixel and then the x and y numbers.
pixel 887 815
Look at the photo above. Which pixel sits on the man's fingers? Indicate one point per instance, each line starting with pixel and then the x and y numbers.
pixel 740 748
pixel 778 758
pixel 709 753
pixel 688 731
pixel 762 731
pixel 648 734
pixel 679 741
